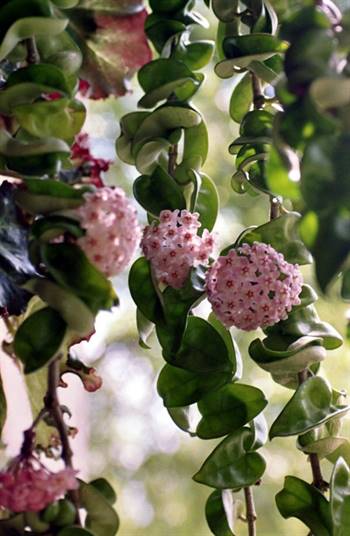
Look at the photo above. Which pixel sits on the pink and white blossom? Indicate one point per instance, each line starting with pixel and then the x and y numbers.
pixel 174 247
pixel 253 286
pixel 28 486
pixel 112 230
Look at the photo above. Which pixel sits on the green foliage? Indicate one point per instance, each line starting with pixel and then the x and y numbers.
pixel 36 351
pixel 101 517
pixel 300 499
pixel 233 464
pixel 339 500
pixel 310 407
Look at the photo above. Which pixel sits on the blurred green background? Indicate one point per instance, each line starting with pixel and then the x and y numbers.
pixel 133 441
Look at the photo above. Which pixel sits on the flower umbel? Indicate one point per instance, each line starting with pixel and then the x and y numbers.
pixel 112 230
pixel 28 486
pixel 173 246
pixel 253 286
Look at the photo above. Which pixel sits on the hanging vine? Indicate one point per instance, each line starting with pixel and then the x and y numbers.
pixel 64 234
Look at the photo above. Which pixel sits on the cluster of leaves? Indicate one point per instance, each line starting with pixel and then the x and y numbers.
pixel 298 152
pixel 40 259
pixel 275 133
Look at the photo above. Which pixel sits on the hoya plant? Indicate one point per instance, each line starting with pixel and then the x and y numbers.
pixel 65 234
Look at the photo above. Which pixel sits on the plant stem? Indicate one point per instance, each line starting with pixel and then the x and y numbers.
pixel 317 478
pixel 274 208
pixel 250 511
pixel 52 404
pixel 258 97
pixel 32 51
pixel 172 162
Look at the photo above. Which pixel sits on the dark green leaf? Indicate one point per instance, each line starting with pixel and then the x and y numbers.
pixel 36 351
pixel 310 407
pixel 143 292
pixel 43 74
pixel 104 487
pixel 281 233
pixel 233 464
pixel 207 203
pixel 345 289
pixel 241 99
pixel 195 55
pixel 179 387
pixel 340 498
pixel 303 501
pixel 70 267
pixel 257 46
pixel 158 192
pixel 73 310
pixel 215 513
pixel 229 408
pixel 45 229
pixel 202 349
pixel 102 519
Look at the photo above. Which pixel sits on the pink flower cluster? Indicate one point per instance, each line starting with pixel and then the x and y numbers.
pixel 28 486
pixel 90 166
pixel 112 230
pixel 253 286
pixel 173 246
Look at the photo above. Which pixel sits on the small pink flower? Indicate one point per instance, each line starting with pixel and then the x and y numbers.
pixel 112 231
pixel 28 486
pixel 253 286
pixel 173 246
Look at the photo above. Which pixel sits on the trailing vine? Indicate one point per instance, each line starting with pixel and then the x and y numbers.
pixel 64 235
pixel 54 271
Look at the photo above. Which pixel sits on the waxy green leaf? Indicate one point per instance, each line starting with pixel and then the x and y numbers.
pixel 70 267
pixel 158 192
pixel 232 464
pixel 303 501
pixel 143 291
pixel 340 498
pixel 310 407
pixel 202 349
pixel 34 351
pixel 229 408
pixel 179 387
pixel 281 233
pixel 101 519
pixel 241 99
pixel 220 522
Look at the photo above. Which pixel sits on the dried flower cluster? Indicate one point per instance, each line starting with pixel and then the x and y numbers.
pixel 174 247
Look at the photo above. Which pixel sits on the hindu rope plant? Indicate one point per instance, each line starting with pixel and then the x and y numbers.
pixel 256 282
pixel 64 234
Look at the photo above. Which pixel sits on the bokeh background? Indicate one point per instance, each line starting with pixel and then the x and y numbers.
pixel 126 434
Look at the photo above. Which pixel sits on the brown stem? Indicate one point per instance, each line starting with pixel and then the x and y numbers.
pixel 52 404
pixel 258 97
pixel 275 208
pixel 172 162
pixel 32 51
pixel 250 511
pixel 317 478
